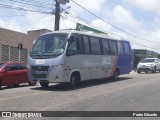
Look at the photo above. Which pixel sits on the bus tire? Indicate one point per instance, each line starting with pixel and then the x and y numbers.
pixel 74 80
pixel 115 75
pixel 44 84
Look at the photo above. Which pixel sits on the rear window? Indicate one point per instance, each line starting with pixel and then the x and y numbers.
pixel 22 66
pixel 148 61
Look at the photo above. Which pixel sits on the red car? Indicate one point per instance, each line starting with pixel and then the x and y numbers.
pixel 13 73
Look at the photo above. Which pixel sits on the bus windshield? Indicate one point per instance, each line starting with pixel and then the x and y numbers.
pixel 50 44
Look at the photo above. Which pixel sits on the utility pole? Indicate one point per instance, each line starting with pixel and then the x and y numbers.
pixel 57 13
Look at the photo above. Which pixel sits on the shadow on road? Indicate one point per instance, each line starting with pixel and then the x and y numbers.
pixel 12 87
pixel 84 84
pixel 148 73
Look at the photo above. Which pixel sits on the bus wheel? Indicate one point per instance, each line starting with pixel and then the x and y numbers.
pixel 73 81
pixel 116 74
pixel 44 84
pixel 31 83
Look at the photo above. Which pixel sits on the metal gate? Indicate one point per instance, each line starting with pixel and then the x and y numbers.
pixel 11 53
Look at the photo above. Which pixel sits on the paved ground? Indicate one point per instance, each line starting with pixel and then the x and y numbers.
pixel 133 92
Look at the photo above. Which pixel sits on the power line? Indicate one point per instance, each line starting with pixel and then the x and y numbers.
pixel 36 1
pixel 12 15
pixel 63 22
pixel 26 3
pixel 112 24
pixel 22 9
pixel 83 20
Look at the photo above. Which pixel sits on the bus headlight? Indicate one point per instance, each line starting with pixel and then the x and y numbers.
pixel 56 66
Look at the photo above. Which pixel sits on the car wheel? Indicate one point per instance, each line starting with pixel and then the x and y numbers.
pixel 138 71
pixel 154 70
pixel 44 84
pixel 16 85
pixel 32 83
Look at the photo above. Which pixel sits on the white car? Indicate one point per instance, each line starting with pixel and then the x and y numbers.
pixel 149 64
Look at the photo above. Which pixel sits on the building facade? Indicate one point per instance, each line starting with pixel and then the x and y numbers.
pixel 9 41
pixel 140 54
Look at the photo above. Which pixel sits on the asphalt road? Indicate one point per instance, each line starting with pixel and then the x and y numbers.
pixel 132 92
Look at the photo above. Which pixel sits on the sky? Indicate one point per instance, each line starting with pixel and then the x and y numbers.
pixel 137 21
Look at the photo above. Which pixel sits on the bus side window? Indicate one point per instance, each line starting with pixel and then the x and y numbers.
pixel 126 48
pixel 95 46
pixel 120 48
pixel 86 44
pixel 113 47
pixel 105 46
pixel 75 45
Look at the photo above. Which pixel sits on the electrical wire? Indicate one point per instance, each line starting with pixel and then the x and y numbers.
pixel 12 16
pixel 112 24
pixel 83 20
pixel 26 3
pixel 22 9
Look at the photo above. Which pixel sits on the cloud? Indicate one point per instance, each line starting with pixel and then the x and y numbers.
pixel 151 5
pixel 92 5
pixel 123 16
pixel 11 24
pixel 39 21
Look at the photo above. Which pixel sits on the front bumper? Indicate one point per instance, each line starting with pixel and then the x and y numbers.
pixel 145 68
pixel 50 75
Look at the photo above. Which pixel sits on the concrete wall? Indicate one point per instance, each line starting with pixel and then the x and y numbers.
pixel 13 38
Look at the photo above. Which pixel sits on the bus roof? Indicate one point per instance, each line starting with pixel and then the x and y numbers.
pixel 84 33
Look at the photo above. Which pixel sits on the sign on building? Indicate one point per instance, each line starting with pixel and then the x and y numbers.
pixel 80 27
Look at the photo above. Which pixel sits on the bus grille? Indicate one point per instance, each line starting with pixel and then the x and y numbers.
pixel 40 71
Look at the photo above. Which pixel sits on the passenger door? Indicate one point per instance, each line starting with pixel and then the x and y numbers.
pixel 11 76
pixel 76 59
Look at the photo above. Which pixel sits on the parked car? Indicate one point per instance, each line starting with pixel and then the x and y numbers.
pixel 149 64
pixel 13 73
